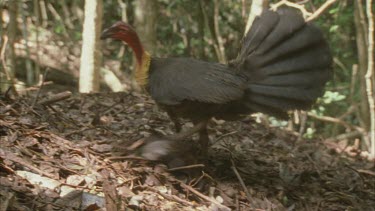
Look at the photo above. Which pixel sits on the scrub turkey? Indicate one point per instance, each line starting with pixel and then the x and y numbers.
pixel 283 64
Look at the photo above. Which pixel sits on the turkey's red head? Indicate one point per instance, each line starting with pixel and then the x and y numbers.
pixel 124 32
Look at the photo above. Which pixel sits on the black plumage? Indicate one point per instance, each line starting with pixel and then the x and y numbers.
pixel 283 64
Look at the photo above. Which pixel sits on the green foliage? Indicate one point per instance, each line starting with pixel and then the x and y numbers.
pixel 330 97
pixel 310 133
pixel 277 123
pixel 58 29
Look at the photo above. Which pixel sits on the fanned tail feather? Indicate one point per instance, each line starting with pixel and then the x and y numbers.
pixel 287 62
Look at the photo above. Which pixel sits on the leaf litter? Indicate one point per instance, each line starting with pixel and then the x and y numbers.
pixel 80 153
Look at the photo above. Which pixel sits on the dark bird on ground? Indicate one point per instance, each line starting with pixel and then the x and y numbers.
pixel 283 64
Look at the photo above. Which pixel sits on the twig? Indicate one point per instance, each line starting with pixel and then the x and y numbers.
pixel 58 18
pixel 195 181
pixel 350 135
pixel 339 63
pixel 321 10
pixel 369 76
pixel 136 144
pixel 60 141
pixel 313 162
pixel 350 110
pixel 8 108
pixel 335 120
pixel 225 135
pixel 56 98
pixel 200 195
pixel 40 88
pixel 109 190
pixel 36 87
pixel 365 171
pixel 83 129
pixel 237 203
pixel 354 75
pixel 329 143
pixel 6 201
pixel 302 8
pixel 302 128
pixel 353 81
pixel 67 19
pixel 240 180
pixel 44 14
pixel 170 197
pixel 187 167
pixel 133 157
pixel 16 159
pixel 307 15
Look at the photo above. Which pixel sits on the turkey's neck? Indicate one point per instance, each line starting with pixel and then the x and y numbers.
pixel 143 62
pixel 141 71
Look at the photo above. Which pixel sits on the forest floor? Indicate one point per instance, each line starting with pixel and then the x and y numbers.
pixel 79 153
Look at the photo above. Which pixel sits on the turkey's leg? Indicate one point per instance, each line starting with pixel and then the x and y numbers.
pixel 203 137
pixel 189 132
pixel 175 120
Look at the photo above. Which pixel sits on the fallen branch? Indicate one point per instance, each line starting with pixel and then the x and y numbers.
pixel 40 88
pixel 187 167
pixel 56 98
pixel 202 196
pixel 350 135
pixel 241 181
pixel 170 197
pixel 365 171
pixel 13 157
pixel 8 108
pixel 61 58
pixel 109 190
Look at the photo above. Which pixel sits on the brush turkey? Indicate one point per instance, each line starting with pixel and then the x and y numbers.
pixel 283 64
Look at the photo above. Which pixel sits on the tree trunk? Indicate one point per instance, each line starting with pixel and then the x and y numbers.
pixel 145 15
pixel 256 10
pixel 362 62
pixel 91 55
pixel 12 29
pixel 210 10
pixel 201 25
pixel 370 76
pixel 7 50
pixel 31 76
